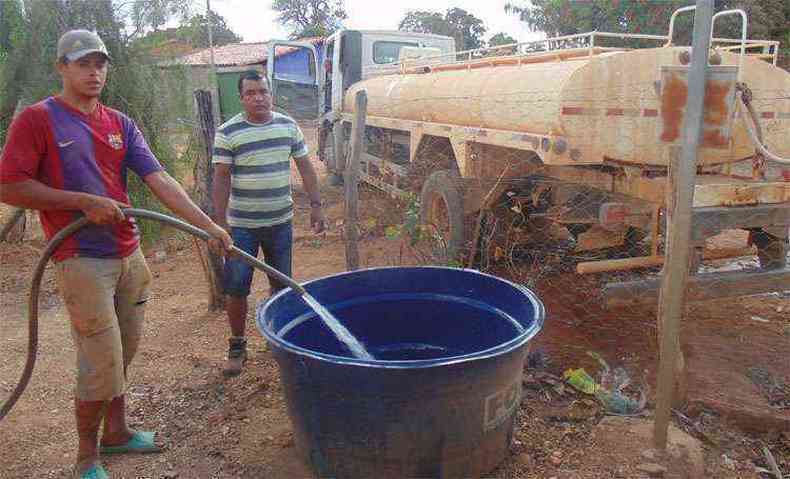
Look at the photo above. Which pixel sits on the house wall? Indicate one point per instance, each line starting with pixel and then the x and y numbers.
pixel 177 88
pixel 228 84
pixel 179 83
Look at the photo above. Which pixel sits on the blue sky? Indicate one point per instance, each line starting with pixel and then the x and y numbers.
pixel 255 21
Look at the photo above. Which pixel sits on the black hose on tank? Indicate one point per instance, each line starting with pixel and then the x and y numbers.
pixel 35 287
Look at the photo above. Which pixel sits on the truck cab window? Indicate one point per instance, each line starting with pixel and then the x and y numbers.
pixel 388 52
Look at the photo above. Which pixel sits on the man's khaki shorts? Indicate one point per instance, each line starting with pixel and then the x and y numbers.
pixel 106 300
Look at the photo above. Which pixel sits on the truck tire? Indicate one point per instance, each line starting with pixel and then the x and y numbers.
pixel 442 215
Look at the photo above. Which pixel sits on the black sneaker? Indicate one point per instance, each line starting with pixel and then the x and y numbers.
pixel 237 356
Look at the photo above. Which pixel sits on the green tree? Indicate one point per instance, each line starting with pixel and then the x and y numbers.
pixel 465 28
pixel 470 27
pixel 768 19
pixel 192 32
pixel 12 35
pixel 11 25
pixel 425 21
pixel 566 17
pixel 310 18
pixel 141 15
pixel 23 76
pixel 501 38
pixel 195 32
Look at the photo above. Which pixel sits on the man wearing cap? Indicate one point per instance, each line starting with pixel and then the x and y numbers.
pixel 69 156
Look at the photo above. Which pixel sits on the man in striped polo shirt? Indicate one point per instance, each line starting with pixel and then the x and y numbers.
pixel 252 197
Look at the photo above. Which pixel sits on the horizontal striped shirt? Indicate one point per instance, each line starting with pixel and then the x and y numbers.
pixel 259 155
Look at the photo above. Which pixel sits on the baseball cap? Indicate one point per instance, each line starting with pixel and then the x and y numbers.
pixel 75 44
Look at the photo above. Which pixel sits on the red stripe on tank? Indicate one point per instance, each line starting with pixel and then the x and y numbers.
pixel 572 110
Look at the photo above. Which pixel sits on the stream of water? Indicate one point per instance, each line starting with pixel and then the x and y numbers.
pixel 343 334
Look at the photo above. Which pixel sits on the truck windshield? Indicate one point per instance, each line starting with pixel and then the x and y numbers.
pixel 388 52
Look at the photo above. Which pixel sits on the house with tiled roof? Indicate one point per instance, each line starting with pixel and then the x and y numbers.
pixel 238 54
pixel 231 55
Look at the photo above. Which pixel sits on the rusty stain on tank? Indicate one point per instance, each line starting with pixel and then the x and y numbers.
pixel 716 111
pixel 716 114
pixel 714 139
pixel 673 102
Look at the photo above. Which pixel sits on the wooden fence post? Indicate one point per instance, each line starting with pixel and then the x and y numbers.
pixel 352 181
pixel 680 200
pixel 204 176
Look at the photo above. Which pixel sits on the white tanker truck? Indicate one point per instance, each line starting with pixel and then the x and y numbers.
pixel 574 134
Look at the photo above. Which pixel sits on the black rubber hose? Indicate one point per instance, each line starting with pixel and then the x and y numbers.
pixel 35 287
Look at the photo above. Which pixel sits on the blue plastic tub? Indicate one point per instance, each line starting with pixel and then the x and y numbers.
pixel 439 400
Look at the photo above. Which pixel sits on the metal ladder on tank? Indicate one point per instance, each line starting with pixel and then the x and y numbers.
pixel 579 45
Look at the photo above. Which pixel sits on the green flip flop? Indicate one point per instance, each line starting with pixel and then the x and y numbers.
pixel 96 471
pixel 141 442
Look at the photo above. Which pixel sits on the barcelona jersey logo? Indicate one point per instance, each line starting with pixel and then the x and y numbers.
pixel 115 140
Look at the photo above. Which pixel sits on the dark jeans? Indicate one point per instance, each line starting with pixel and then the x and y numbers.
pixel 275 242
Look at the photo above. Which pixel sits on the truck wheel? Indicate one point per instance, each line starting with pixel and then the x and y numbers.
pixel 771 250
pixel 442 215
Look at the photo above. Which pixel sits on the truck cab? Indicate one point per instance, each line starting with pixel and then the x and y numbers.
pixel 310 78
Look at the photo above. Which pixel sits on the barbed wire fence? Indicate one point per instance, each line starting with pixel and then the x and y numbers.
pixel 523 230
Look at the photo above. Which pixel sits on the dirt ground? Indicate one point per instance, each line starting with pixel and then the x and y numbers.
pixel 240 428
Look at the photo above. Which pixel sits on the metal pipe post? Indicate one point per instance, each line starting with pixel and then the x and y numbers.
pixel 680 199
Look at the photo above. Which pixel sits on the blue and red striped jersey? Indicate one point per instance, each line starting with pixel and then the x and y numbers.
pixel 64 148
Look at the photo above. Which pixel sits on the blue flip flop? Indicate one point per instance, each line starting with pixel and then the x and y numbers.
pixel 96 471
pixel 141 442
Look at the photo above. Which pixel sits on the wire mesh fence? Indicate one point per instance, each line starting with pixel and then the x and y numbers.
pixel 554 225
pixel 591 237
